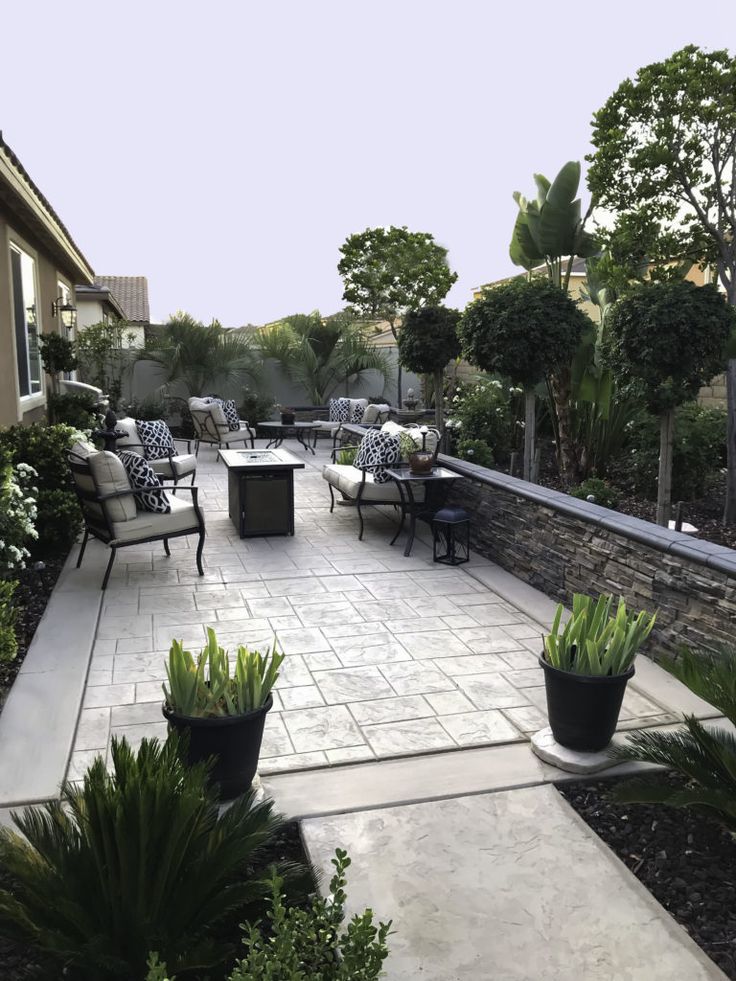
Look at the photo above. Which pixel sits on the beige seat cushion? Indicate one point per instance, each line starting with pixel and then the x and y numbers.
pixel 183 517
pixel 348 480
pixel 326 425
pixel 109 475
pixel 178 467
pixel 234 436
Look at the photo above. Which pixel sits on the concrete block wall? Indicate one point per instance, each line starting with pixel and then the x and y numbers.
pixel 562 545
pixel 713 396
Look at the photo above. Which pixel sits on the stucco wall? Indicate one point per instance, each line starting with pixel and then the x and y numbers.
pixel 562 545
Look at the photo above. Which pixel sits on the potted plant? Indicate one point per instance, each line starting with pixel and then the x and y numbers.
pixel 586 667
pixel 420 459
pixel 288 416
pixel 223 713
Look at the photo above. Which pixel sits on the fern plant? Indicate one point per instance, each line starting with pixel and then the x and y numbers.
pixel 594 641
pixel 137 860
pixel 205 688
pixel 705 757
pixel 310 944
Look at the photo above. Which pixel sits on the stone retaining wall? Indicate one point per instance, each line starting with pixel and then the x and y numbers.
pixel 562 545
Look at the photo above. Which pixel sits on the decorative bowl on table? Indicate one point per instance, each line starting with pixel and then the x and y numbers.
pixel 421 462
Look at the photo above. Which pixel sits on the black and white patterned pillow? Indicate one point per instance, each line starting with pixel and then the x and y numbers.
pixel 141 475
pixel 229 408
pixel 156 438
pixel 339 410
pixel 378 450
pixel 358 411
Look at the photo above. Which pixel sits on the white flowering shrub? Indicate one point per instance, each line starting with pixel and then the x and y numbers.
pixel 485 412
pixel 18 512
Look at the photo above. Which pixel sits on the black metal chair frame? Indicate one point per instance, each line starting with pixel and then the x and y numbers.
pixel 103 531
pixel 208 431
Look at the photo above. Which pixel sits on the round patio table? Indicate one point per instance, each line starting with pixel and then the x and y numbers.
pixel 280 431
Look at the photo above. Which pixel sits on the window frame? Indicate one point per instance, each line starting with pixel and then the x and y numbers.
pixel 25 403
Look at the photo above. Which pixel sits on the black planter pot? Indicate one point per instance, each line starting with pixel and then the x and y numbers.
pixel 235 740
pixel 583 709
pixel 287 418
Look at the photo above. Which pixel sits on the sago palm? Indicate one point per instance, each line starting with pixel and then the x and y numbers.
pixel 321 355
pixel 135 861
pixel 201 357
pixel 705 757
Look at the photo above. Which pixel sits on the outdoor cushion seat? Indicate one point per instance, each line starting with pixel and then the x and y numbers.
pixel 348 480
pixel 170 467
pixel 146 524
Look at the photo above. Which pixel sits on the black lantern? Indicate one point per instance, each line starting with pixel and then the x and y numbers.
pixel 451 532
pixel 61 307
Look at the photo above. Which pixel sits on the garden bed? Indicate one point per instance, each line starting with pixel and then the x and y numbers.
pixel 31 596
pixel 686 860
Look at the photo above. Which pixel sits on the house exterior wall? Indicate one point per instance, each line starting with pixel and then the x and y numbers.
pixel 13 408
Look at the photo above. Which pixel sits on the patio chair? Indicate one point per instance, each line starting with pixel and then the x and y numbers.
pixel 112 514
pixel 170 464
pixel 357 412
pixel 211 426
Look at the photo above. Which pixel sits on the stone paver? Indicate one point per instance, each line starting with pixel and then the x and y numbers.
pixel 385 655
pixel 484 888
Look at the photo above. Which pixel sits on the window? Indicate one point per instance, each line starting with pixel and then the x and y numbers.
pixel 25 319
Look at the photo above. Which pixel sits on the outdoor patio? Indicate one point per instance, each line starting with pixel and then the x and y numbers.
pixel 387 656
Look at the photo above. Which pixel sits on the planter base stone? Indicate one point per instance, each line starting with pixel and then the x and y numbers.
pixel 546 747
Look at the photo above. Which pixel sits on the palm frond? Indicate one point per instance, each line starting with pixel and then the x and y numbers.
pixel 709 674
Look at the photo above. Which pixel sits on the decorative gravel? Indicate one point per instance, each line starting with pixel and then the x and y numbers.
pixel 685 859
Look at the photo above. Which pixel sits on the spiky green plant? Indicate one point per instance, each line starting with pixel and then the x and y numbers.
pixel 322 354
pixel 704 756
pixel 595 642
pixel 136 860
pixel 205 688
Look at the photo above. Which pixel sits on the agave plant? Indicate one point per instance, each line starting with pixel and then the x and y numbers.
pixel 595 642
pixel 137 860
pixel 205 687
pixel 705 757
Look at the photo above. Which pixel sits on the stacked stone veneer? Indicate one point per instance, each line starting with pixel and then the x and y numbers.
pixel 562 545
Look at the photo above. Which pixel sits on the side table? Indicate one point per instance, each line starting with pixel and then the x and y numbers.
pixel 436 485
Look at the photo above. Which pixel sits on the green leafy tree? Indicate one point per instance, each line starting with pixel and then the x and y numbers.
pixel 427 343
pixel 199 357
pixel 102 360
pixel 669 336
pixel 527 331
pixel 388 271
pixel 321 354
pixel 138 860
pixel 665 161
pixel 57 356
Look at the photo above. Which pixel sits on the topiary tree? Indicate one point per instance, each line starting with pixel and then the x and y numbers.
pixel 527 331
pixel 427 343
pixel 57 357
pixel 670 336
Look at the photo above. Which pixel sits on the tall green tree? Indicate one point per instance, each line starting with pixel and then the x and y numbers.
pixel 201 357
pixel 322 353
pixel 665 154
pixel 388 271
pixel 427 343
pixel 527 331
pixel 670 337
pixel 550 232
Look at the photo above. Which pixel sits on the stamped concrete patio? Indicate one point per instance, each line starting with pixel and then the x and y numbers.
pixel 387 656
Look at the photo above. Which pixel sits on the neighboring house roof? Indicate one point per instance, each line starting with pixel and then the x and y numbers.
pixel 103 294
pixel 131 293
pixel 578 269
pixel 23 198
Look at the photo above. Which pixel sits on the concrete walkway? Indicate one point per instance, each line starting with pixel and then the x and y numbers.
pixel 510 886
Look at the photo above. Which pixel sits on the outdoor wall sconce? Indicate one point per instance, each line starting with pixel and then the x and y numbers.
pixel 67 311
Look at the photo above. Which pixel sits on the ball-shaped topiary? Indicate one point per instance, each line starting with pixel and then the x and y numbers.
pixel 671 335
pixel 522 329
pixel 428 339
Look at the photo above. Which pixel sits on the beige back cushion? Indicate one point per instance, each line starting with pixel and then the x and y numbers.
pixel 431 438
pixel 109 475
pixel 131 435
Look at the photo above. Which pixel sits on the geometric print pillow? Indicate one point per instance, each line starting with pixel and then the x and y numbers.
pixel 156 439
pixel 378 450
pixel 358 411
pixel 141 475
pixel 339 410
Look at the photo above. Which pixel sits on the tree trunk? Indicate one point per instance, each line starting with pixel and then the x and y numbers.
pixel 569 451
pixel 530 432
pixel 729 511
pixel 664 481
pixel 439 398
pixel 398 387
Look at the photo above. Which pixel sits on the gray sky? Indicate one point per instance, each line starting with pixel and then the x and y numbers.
pixel 226 149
